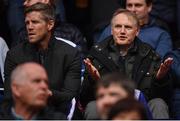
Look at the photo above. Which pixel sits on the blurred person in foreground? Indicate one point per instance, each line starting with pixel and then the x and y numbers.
pixel 111 88
pixel 30 92
pixel 127 109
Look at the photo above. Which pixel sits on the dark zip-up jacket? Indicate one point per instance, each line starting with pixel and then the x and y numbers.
pixel 141 64
pixel 61 61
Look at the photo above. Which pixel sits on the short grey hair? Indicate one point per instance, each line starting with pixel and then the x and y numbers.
pixel 128 13
pixel 18 74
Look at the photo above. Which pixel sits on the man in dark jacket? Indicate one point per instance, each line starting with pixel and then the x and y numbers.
pixel 124 52
pixel 61 60
pixel 151 31
pixel 62 29
pixel 30 91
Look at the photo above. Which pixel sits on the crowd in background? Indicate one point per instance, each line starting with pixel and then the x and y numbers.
pixel 82 49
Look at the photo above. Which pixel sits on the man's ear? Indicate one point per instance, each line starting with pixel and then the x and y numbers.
pixel 149 8
pixel 137 32
pixel 51 24
pixel 15 90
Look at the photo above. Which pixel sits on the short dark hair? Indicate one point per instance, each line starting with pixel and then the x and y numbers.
pixel 128 13
pixel 52 2
pixel 117 78
pixel 127 105
pixel 47 10
pixel 148 2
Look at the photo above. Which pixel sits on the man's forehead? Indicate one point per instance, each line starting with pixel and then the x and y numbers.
pixel 110 86
pixel 125 17
pixel 31 2
pixel 135 1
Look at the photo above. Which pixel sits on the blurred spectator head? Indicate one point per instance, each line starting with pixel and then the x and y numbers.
pixel 39 19
pixel 29 85
pixel 110 89
pixel 127 109
pixel 141 8
pixel 124 27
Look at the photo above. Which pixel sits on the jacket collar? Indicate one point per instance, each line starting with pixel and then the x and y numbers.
pixel 50 45
pixel 151 22
pixel 132 49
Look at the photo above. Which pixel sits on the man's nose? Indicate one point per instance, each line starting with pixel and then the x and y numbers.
pixel 133 9
pixel 107 102
pixel 29 26
pixel 122 30
pixel 43 85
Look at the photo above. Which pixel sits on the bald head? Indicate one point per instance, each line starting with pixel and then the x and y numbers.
pixel 131 16
pixel 29 85
pixel 22 72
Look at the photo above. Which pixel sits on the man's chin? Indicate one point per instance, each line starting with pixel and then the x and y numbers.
pixel 103 115
pixel 40 105
pixel 121 43
pixel 32 41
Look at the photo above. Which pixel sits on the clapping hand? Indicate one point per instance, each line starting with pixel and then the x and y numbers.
pixel 91 69
pixel 164 68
